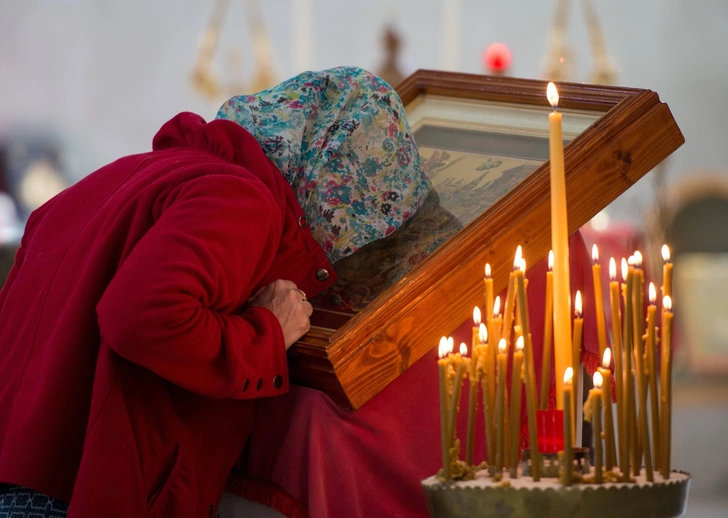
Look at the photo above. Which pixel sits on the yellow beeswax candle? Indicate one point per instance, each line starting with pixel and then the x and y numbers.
pixel 614 299
pixel 473 393
pixel 510 299
pixel 500 404
pixel 460 364
pixel 548 322
pixel 576 352
pixel 651 374
pixel 598 303
pixel 666 272
pixel 488 285
pixel 516 384
pixel 609 447
pixel 487 404
pixel 666 386
pixel 629 382
pixel 568 458
pixel 595 397
pixel 442 367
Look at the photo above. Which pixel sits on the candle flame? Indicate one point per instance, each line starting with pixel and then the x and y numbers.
pixel 463 349
pixel 517 260
pixel 476 316
pixel 496 307
pixel 483 333
pixel 612 269
pixel 638 259
pixel 522 266
pixel 442 348
pixel 630 260
pixel 487 270
pixel 595 254
pixel 552 94
pixel 551 260
pixel 519 343
pixel 666 253
pixel 607 358
pixel 577 304
pixel 667 303
pixel 625 269
pixel 450 344
pixel 568 375
pixel 598 380
pixel 653 293
pixel 502 345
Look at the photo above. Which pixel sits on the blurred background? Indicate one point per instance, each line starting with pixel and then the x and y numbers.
pixel 87 81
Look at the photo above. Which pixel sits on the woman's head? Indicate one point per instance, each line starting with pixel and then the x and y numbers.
pixel 342 140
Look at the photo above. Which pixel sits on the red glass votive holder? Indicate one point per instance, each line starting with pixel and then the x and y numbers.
pixel 550 429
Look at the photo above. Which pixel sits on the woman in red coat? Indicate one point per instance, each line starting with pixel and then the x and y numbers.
pixel 151 303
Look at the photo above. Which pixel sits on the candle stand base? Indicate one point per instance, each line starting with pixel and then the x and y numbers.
pixel 523 498
pixel 551 463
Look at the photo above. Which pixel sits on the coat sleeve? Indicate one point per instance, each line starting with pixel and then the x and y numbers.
pixel 169 308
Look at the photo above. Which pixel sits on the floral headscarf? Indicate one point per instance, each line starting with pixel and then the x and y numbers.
pixel 342 140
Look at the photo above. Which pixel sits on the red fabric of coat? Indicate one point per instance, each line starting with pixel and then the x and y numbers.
pixel 129 361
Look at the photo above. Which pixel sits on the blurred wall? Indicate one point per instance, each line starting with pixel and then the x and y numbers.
pixel 107 74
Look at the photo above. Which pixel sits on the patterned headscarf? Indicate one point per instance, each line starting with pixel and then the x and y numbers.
pixel 342 140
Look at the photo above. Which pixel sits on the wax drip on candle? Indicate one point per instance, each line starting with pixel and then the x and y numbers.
pixel 476 316
pixel 551 260
pixel 496 307
pixel 483 333
pixel 653 293
pixel 612 269
pixel 487 270
pixel 595 254
pixel 666 253
pixel 607 358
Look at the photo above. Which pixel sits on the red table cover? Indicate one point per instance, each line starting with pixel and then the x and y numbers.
pixel 307 457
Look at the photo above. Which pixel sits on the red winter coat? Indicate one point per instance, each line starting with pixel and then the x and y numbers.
pixel 129 365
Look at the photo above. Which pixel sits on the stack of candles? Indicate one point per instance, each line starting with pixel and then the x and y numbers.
pixel 641 432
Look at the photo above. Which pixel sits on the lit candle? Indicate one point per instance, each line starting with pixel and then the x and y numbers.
pixel 516 384
pixel 493 339
pixel 666 386
pixel 618 367
pixel 639 355
pixel 510 299
pixel 548 323
pixel 576 351
pixel 500 404
pixel 530 377
pixel 598 307
pixel 631 410
pixel 559 243
pixel 651 373
pixel 609 447
pixel 666 272
pixel 487 401
pixel 568 457
pixel 461 363
pixel 473 394
pixel 594 404
pixel 442 367
pixel 488 283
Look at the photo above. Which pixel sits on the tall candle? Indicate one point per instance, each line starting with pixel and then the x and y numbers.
pixel 609 447
pixel 442 367
pixel 460 366
pixel 576 352
pixel 651 373
pixel 635 460
pixel 548 322
pixel 559 244
pixel 568 458
pixel 488 285
pixel 500 404
pixel 666 272
pixel 666 386
pixel 516 384
pixel 618 367
pixel 493 339
pixel 531 401
pixel 510 299
pixel 598 303
pixel 595 397
pixel 487 404
pixel 473 393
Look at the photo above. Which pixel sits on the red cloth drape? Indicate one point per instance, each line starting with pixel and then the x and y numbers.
pixel 308 457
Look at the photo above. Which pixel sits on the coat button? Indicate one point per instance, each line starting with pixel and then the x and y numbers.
pixel 302 221
pixel 260 384
pixel 277 381
pixel 322 274
pixel 245 384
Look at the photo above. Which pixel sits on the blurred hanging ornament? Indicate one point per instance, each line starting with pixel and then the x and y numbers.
pixel 497 58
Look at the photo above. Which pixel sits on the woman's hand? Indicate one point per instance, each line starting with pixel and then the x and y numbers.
pixel 289 305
